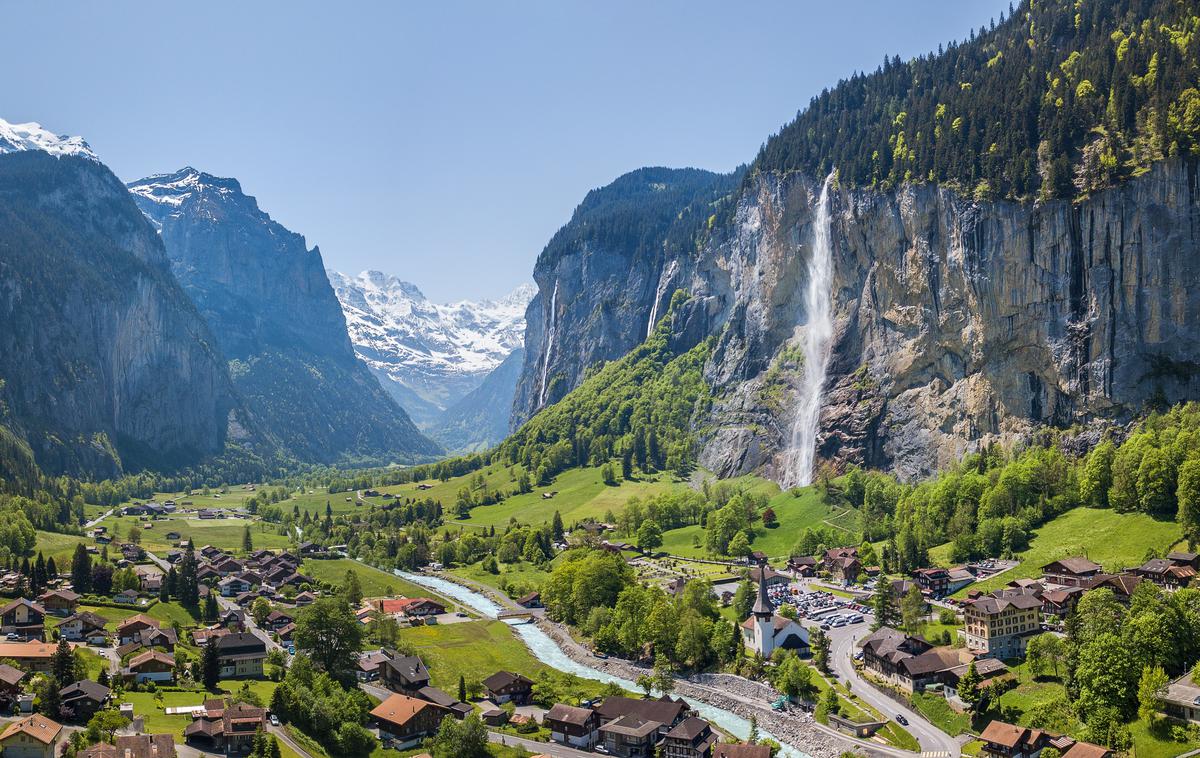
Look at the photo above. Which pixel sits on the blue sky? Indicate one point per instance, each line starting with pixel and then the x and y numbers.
pixel 441 142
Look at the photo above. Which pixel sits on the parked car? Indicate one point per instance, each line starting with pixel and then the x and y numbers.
pixel 901 720
pixel 274 720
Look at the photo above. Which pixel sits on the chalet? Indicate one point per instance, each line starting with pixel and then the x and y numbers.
pixel 419 607
pixel 10 684
pixel 959 577
pixel 103 539
pixel 1166 573
pixel 439 697
pixel 285 632
pixel 312 550
pixel 692 738
pixel 1184 559
pixel 505 686
pixel 209 513
pixel 241 655
pixel 137 509
pixel 232 586
pixel 369 663
pixel 802 565
pixel 1076 571
pixel 741 750
pixel 304 598
pixel 173 535
pixel 630 736
pixel 204 636
pixel 1182 699
pixel 770 576
pixel 150 666
pixel 1121 585
pixel 836 554
pixel 127 597
pixel 210 552
pixel 407 721
pixel 226 566
pixel 84 626
pixel 165 637
pixel 207 573
pixel 990 669
pixel 83 698
pixel 33 656
pixel 571 726
pixel 933 581
pixel 130 630
pixel 245 599
pixel 886 649
pixel 31 737
pixel 279 619
pixel 59 602
pixel 1061 602
pixel 494 716
pixel 149 577
pixel 132 552
pixel 133 746
pixel 845 570
pixel 24 618
pixel 532 600
pixel 1001 740
pixel 225 728
pixel 665 712
pixel 404 673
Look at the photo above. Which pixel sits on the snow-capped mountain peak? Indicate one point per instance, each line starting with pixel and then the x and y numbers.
pixel 396 329
pixel 176 188
pixel 16 138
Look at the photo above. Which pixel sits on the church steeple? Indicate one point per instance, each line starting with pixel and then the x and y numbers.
pixel 763 609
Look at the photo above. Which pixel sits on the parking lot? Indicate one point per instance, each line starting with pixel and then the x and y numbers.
pixel 818 607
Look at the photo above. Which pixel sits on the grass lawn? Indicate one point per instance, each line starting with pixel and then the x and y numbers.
pixel 114 616
pixel 223 533
pixel 473 649
pixel 795 513
pixel 235 497
pixel 934 707
pixel 60 547
pixel 170 613
pixel 264 688
pixel 375 583
pixel 523 574
pixel 1114 540
pixel 95 662
pixel 1155 743
pixel 150 709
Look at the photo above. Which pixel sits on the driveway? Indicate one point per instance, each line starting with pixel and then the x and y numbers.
pixel 842 647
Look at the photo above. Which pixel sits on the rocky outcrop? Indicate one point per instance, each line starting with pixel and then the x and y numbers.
pixel 266 297
pixel 105 365
pixel 957 323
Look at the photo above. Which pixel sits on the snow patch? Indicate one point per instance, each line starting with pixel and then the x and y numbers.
pixel 15 138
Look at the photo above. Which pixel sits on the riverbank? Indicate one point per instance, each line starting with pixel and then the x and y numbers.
pixel 734 694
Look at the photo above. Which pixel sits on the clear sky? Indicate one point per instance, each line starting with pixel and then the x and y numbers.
pixel 443 142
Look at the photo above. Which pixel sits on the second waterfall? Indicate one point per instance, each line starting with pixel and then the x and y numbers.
pixel 815 345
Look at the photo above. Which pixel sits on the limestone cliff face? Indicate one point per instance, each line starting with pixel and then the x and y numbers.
pixel 956 323
pixel 105 365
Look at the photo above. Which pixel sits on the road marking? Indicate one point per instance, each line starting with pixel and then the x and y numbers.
pixel 936 754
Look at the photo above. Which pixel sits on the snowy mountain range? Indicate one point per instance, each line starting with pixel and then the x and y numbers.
pixel 16 138
pixel 428 355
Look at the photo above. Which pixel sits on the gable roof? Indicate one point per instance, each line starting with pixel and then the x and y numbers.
pixel 85 688
pixel 665 712
pixel 136 619
pixel 502 679
pixel 400 709
pixel 569 714
pixel 11 676
pixel 1075 565
pixel 724 750
pixel 149 656
pixel 1008 735
pixel 39 727
pixel 410 668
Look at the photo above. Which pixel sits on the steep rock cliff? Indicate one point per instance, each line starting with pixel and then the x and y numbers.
pixel 957 323
pixel 105 365
pixel 266 297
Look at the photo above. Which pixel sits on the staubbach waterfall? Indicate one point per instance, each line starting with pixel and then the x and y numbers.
pixel 818 333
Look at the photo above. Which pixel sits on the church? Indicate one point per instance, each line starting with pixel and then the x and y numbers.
pixel 765 631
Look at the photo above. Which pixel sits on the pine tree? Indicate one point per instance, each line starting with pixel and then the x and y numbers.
pixel 62 663
pixel 189 587
pixel 81 570
pixel 51 568
pixel 887 613
pixel 210 667
pixel 211 611
pixel 39 574
pixel 558 527
pixel 103 677
pixel 462 689
pixel 247 540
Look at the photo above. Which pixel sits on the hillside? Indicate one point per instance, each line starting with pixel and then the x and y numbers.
pixel 1114 540
pixel 266 297
pixel 1061 99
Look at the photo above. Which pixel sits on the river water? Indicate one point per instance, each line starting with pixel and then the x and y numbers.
pixel 547 651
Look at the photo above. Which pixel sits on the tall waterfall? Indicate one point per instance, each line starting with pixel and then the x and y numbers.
pixel 818 332
pixel 550 329
pixel 663 280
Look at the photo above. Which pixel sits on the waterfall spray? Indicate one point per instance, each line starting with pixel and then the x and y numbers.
pixel 664 279
pixel 818 333
pixel 550 328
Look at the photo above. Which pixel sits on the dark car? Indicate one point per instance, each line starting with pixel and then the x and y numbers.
pixel 900 718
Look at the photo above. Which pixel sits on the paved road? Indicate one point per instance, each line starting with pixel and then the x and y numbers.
pixel 99 518
pixel 842 648
pixel 535 747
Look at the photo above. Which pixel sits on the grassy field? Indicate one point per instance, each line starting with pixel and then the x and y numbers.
pixel 58 546
pixel 521 574
pixel 223 533
pixel 146 705
pixel 474 649
pixel 795 513
pixel 375 583
pixel 1114 540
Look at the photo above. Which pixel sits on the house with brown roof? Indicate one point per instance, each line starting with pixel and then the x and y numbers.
pixel 886 649
pixel 10 684
pixel 691 738
pixel 630 736
pixel 1001 740
pixel 933 581
pixel 1166 573
pixel 575 727
pixel 31 737
pixel 1076 571
pixel 241 655
pixel 1088 750
pixel 131 629
pixel 33 656
pixel 23 617
pixel 408 720
pixel 150 666
pixel 1061 602
pixel 989 669
pixel 222 727
pixel 802 565
pixel 505 686
pixel 59 602
pixel 1000 625
pixel 666 711
pixel 84 626
pixel 740 750
pixel 133 746
pixel 1121 585
pixel 83 698
pixel 404 673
